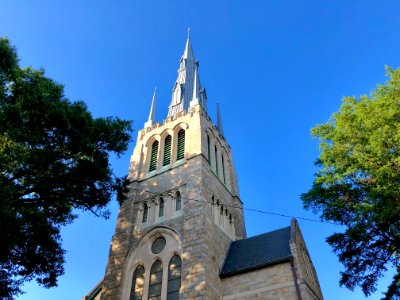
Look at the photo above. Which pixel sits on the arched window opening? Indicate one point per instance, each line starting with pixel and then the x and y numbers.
pixel 145 213
pixel 208 150
pixel 230 218
pixel 153 157
pixel 216 161
pixel 222 210
pixel 137 284
pixel 161 207
pixel 223 168
pixel 178 201
pixel 174 278
pixel 212 200
pixel 155 281
pixel 180 154
pixel 167 151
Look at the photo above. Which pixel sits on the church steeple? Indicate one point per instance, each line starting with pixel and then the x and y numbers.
pixel 152 113
pixel 187 90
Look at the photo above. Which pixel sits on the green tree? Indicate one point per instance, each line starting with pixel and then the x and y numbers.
pixel 54 158
pixel 358 185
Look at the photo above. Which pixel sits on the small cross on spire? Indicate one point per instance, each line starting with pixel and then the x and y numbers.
pixel 188 32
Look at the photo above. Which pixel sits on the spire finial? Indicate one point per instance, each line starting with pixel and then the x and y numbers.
pixel 188 30
pixel 152 113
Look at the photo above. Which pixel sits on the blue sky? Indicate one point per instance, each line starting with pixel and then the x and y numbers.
pixel 276 67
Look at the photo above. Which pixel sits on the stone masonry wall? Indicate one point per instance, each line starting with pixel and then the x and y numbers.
pixel 204 243
pixel 306 274
pixel 273 282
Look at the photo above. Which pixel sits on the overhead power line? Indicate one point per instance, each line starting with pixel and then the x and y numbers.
pixel 257 210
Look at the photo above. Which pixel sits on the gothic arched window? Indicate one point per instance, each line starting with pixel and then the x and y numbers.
pixel 178 201
pixel 145 213
pixel 223 168
pixel 180 153
pixel 174 277
pixel 137 284
pixel 216 160
pixel 167 151
pixel 161 207
pixel 153 156
pixel 208 149
pixel 155 281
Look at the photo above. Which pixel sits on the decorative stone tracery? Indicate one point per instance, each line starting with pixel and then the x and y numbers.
pixel 150 211
pixel 222 216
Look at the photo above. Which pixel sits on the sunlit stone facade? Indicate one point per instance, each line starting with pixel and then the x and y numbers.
pixel 184 214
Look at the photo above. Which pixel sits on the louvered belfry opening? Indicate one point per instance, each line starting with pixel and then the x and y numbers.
pixel 167 151
pixel 180 154
pixel 137 284
pixel 153 158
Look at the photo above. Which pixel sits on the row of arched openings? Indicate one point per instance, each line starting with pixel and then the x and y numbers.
pixel 161 209
pixel 216 159
pixel 156 280
pixel 180 151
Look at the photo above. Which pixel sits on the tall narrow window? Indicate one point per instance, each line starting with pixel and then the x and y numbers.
pixel 178 201
pixel 161 208
pixel 174 278
pixel 145 213
pixel 137 284
pixel 155 281
pixel 208 150
pixel 223 168
pixel 216 161
pixel 153 157
pixel 181 145
pixel 167 151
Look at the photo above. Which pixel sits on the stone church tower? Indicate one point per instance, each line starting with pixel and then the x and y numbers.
pixel 181 233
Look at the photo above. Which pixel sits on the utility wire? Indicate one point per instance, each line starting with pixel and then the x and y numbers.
pixel 267 212
pixel 256 210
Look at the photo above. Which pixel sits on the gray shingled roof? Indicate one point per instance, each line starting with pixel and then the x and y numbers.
pixel 257 252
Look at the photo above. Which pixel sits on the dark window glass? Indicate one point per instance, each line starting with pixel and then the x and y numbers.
pixel 158 245
pixel 145 213
pixel 178 202
pixel 153 157
pixel 174 278
pixel 223 168
pixel 161 210
pixel 208 150
pixel 137 284
pixel 155 280
pixel 216 160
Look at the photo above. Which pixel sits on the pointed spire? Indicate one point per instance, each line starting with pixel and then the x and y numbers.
pixel 187 90
pixel 188 53
pixel 219 121
pixel 152 113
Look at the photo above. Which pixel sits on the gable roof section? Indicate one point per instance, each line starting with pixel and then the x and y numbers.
pixel 257 252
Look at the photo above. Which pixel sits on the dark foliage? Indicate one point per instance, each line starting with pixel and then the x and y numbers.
pixel 54 158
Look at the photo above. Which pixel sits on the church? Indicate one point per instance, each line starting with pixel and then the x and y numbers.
pixel 181 232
